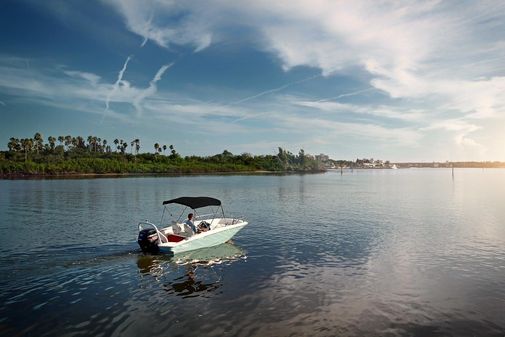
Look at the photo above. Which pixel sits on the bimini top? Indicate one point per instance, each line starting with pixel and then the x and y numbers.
pixel 194 202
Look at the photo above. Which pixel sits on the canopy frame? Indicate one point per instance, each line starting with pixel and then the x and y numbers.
pixel 193 203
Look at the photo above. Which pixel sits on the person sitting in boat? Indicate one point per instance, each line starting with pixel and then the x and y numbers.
pixel 190 223
pixel 203 227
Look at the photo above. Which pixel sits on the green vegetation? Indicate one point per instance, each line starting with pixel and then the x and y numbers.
pixel 67 155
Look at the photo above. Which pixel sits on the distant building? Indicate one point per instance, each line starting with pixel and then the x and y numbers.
pixel 322 157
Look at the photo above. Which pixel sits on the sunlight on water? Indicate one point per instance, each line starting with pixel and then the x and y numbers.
pixel 398 252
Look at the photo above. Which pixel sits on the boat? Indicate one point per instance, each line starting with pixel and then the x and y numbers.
pixel 178 237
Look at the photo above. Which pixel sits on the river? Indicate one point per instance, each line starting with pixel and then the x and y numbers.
pixel 413 252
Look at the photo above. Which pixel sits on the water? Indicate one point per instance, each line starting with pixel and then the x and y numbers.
pixel 371 252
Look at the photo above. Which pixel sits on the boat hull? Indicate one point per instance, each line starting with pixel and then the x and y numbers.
pixel 198 241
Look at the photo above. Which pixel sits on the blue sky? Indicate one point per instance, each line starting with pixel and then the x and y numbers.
pixel 404 81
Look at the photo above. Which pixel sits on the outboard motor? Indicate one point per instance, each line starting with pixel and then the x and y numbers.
pixel 148 241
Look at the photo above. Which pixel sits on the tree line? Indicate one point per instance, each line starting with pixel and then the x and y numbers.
pixel 63 155
pixel 78 144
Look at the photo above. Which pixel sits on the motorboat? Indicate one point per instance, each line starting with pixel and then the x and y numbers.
pixel 177 237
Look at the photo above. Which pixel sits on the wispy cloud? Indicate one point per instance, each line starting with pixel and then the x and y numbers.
pixel 445 58
pixel 347 94
pixel 119 81
pixel 74 89
pixel 428 69
pixel 176 25
pixel 271 91
pixel 150 90
pixel 368 131
pixel 91 78
pixel 380 111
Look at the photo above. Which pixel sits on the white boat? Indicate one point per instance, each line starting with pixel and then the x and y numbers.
pixel 178 237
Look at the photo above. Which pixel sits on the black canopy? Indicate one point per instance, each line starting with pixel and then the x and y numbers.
pixel 194 202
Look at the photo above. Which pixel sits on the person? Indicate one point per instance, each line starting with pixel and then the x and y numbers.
pixel 190 223
pixel 203 227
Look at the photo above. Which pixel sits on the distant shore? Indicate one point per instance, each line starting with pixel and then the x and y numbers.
pixel 75 175
pixel 145 174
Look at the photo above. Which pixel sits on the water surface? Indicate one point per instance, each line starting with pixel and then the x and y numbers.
pixel 370 252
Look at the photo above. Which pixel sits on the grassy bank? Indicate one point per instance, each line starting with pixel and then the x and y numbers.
pixel 82 162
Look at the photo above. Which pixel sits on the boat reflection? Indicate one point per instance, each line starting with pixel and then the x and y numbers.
pixel 189 285
pixel 193 273
pixel 226 252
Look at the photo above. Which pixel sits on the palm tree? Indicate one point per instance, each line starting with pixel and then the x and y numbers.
pixel 164 148
pixel 27 145
pixel 137 145
pixel 173 153
pixel 61 139
pixel 13 144
pixel 104 142
pixel 125 145
pixel 116 142
pixel 52 142
pixel 90 142
pixel 156 147
pixel 75 143
pixel 68 141
pixel 80 142
pixel 39 141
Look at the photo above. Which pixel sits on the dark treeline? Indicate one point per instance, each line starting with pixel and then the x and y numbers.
pixel 66 155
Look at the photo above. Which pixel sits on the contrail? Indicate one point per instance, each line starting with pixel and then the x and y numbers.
pixel 273 90
pixel 147 28
pixel 354 93
pixel 151 89
pixel 321 100
pixel 2 103
pixel 115 87
pixel 282 87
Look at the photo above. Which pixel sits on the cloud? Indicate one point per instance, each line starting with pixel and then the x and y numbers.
pixel 87 92
pixel 92 78
pixel 177 26
pixel 441 60
pixel 398 136
pixel 379 111
pixel 66 88
pixel 459 125
pixel 150 90
pixel 271 91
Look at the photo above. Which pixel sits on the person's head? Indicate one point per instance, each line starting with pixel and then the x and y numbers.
pixel 190 216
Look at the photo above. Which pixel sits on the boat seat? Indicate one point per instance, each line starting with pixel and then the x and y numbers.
pixel 187 231
pixel 176 228
pixel 174 238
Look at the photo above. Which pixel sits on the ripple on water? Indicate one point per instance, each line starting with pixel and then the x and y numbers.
pixel 367 253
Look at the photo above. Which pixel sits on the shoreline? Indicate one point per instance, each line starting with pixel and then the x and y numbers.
pixel 27 176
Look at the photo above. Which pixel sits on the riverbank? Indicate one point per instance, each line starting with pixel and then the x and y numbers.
pixel 128 175
pixel 82 162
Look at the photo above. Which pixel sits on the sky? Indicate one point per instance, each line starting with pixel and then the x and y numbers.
pixel 395 80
